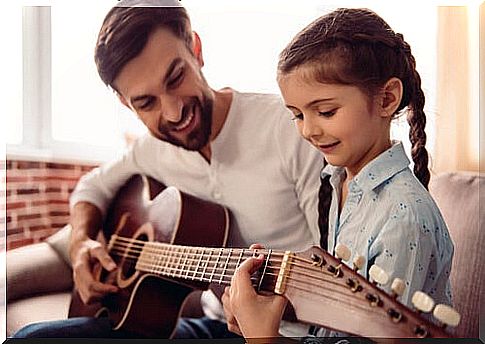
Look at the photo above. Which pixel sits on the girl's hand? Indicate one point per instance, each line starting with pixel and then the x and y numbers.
pixel 247 313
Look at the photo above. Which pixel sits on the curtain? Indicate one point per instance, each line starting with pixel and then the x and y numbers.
pixel 458 89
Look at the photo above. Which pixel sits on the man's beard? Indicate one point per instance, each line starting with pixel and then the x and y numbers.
pixel 199 136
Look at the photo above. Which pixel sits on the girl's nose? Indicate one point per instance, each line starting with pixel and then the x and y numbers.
pixel 310 128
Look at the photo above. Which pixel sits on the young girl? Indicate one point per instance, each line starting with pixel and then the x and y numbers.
pixel 344 78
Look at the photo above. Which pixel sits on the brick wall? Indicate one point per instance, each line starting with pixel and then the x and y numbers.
pixel 36 198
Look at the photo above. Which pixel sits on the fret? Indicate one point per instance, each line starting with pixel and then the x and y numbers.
pixel 198 263
pixel 225 266
pixel 264 269
pixel 190 255
pixel 173 265
pixel 158 263
pixel 206 263
pixel 240 258
pixel 215 265
pixel 183 255
pixel 169 260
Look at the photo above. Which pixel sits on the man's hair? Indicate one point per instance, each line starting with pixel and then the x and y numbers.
pixel 126 29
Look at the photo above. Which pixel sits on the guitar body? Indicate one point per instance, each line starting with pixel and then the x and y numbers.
pixel 146 211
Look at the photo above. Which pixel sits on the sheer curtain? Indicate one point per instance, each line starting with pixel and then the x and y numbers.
pixel 458 88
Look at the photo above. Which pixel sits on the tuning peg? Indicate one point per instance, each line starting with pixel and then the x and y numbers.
pixel 378 275
pixel 359 262
pixel 447 315
pixel 342 252
pixel 422 301
pixel 398 287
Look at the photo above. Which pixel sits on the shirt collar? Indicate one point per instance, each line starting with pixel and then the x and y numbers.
pixel 383 167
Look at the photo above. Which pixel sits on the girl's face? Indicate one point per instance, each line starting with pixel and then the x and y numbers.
pixel 340 120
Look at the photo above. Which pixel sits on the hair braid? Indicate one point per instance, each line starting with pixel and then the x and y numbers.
pixel 324 201
pixel 416 118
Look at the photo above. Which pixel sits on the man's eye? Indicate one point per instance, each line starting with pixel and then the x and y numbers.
pixel 146 104
pixel 177 79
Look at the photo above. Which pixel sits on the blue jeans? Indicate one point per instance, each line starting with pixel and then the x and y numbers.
pixel 86 327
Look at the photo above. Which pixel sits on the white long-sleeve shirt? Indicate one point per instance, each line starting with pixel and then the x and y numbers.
pixel 260 169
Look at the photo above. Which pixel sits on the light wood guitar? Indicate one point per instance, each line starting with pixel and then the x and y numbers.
pixel 164 247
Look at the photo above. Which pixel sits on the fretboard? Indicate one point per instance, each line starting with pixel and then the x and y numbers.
pixel 205 264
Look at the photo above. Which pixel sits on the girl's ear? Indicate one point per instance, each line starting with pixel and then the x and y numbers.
pixel 391 97
pixel 197 48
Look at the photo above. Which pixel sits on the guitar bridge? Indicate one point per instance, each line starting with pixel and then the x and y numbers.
pixel 282 275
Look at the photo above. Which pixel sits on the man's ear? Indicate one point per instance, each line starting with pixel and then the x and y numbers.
pixel 391 96
pixel 197 48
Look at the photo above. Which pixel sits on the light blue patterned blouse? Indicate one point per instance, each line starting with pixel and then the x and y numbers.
pixel 392 220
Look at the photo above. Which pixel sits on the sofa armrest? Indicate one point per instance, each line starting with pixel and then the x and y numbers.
pixel 36 269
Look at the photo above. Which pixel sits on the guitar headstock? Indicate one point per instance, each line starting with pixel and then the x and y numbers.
pixel 325 291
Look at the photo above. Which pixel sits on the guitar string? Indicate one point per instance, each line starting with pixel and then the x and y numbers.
pixel 229 261
pixel 292 281
pixel 181 252
pixel 218 277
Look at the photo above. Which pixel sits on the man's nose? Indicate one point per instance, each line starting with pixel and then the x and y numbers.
pixel 171 108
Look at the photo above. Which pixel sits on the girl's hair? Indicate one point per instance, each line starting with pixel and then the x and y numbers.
pixel 357 47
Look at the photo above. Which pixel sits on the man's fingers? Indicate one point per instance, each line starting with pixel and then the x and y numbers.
pixel 103 257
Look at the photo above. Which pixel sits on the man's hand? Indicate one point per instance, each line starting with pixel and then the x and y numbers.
pixel 85 252
pixel 247 313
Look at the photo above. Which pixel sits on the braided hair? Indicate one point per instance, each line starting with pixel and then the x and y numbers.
pixel 357 47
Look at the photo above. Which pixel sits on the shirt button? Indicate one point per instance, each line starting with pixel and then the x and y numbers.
pixel 217 194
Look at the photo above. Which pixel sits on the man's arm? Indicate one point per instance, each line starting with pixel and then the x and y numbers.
pixel 84 250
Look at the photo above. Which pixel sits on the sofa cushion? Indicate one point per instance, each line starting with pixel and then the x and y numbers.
pixel 53 306
pixel 36 269
pixel 458 197
pixel 60 243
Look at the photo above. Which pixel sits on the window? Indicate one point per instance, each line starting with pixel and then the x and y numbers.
pixel 67 111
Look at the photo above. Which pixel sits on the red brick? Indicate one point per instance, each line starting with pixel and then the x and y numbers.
pixel 54 165
pixel 13 179
pixel 27 191
pixel 14 230
pixel 53 190
pixel 59 225
pixel 55 178
pixel 15 205
pixel 11 244
pixel 28 217
pixel 58 213
pixel 22 165
pixel 38 227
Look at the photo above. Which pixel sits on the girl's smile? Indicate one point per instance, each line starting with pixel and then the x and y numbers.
pixel 341 121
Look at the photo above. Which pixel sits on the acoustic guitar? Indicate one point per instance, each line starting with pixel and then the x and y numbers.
pixel 167 244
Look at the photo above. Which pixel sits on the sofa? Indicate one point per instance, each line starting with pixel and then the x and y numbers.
pixel 39 280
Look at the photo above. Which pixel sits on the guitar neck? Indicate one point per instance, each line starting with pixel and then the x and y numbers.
pixel 204 264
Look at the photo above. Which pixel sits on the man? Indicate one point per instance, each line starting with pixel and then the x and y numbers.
pixel 238 150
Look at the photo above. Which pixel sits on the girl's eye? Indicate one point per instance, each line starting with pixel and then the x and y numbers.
pixel 327 113
pixel 297 117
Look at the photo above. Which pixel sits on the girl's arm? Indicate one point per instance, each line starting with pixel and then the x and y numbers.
pixel 247 313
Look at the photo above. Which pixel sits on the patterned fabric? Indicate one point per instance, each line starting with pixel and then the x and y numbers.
pixel 390 219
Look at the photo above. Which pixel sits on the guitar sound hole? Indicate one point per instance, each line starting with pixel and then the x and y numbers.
pixel 131 256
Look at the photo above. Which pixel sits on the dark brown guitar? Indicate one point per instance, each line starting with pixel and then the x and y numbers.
pixel 165 249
